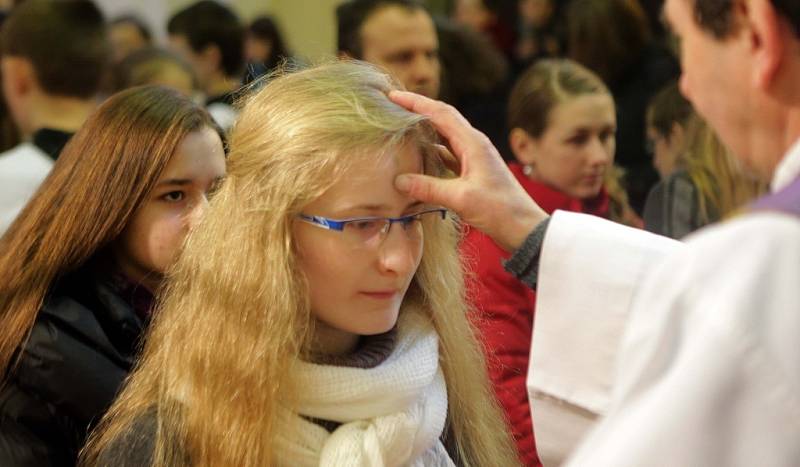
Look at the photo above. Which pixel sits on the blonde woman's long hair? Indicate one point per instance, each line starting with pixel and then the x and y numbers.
pixel 722 187
pixel 217 365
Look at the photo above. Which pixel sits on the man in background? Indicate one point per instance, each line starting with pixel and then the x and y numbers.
pixel 397 35
pixel 210 37
pixel 53 56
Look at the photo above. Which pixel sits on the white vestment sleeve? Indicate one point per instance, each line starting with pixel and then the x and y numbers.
pixel 588 272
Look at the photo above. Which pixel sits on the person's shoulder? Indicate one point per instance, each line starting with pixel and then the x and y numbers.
pixel 739 257
pixel 25 437
pixel 223 114
pixel 67 303
pixel 751 240
pixel 23 158
pixel 83 315
pixel 756 232
pixel 134 447
pixel 733 280
pixel 681 189
pixel 22 169
pixel 70 353
pixel 679 178
pixel 737 281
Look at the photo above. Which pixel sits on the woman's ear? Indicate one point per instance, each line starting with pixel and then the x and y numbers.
pixel 522 145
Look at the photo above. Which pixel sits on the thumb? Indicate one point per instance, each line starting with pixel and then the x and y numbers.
pixel 426 189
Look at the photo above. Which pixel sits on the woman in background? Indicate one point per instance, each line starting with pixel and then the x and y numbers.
pixel 264 47
pixel 668 117
pixel 613 39
pixel 707 186
pixel 80 265
pixel 153 65
pixel 562 123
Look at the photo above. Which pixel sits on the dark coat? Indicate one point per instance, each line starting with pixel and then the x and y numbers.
pixel 80 350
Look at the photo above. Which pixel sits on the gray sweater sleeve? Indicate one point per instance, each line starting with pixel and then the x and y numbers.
pixel 524 263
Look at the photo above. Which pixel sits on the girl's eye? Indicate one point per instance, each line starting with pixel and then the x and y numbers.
pixel 579 140
pixel 606 135
pixel 365 225
pixel 173 196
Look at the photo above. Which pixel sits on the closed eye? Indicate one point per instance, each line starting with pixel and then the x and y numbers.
pixel 365 224
pixel 607 134
pixel 401 57
pixel 578 140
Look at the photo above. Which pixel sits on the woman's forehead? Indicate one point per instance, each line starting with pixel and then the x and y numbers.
pixel 587 108
pixel 370 180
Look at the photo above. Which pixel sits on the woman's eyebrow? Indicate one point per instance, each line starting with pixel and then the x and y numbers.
pixel 175 181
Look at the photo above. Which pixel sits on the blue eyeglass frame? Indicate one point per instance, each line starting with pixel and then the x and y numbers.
pixel 339 224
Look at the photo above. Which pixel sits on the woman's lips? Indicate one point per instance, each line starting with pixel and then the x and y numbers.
pixel 592 179
pixel 380 294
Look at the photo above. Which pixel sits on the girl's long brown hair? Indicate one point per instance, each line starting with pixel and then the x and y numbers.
pixel 216 372
pixel 101 178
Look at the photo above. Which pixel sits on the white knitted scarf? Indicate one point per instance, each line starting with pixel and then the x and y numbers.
pixel 391 415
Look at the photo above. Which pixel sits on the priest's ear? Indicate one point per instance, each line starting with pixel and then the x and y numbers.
pixel 523 145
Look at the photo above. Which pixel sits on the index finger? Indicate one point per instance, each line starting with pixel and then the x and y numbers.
pixel 445 118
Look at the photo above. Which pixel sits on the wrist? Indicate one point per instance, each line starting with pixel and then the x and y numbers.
pixel 522 222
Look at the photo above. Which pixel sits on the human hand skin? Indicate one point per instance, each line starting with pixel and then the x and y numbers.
pixel 485 194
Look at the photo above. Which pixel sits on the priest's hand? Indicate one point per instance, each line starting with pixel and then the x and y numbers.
pixel 485 194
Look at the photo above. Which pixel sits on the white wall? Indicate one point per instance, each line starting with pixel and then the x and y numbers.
pixel 307 25
pixel 153 12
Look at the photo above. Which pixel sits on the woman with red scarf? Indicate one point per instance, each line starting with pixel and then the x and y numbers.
pixel 562 122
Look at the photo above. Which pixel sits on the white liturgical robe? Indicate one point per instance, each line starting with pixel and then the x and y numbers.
pixel 690 352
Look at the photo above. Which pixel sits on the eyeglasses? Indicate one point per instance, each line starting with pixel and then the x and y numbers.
pixel 370 231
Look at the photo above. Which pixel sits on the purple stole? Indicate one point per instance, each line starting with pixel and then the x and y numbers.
pixel 786 200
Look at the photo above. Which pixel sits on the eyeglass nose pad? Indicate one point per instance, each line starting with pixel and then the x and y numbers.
pixel 387 225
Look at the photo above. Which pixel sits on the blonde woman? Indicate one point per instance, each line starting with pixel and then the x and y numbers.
pixel 707 188
pixel 316 316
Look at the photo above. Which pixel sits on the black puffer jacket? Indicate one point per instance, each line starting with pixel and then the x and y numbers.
pixel 79 352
